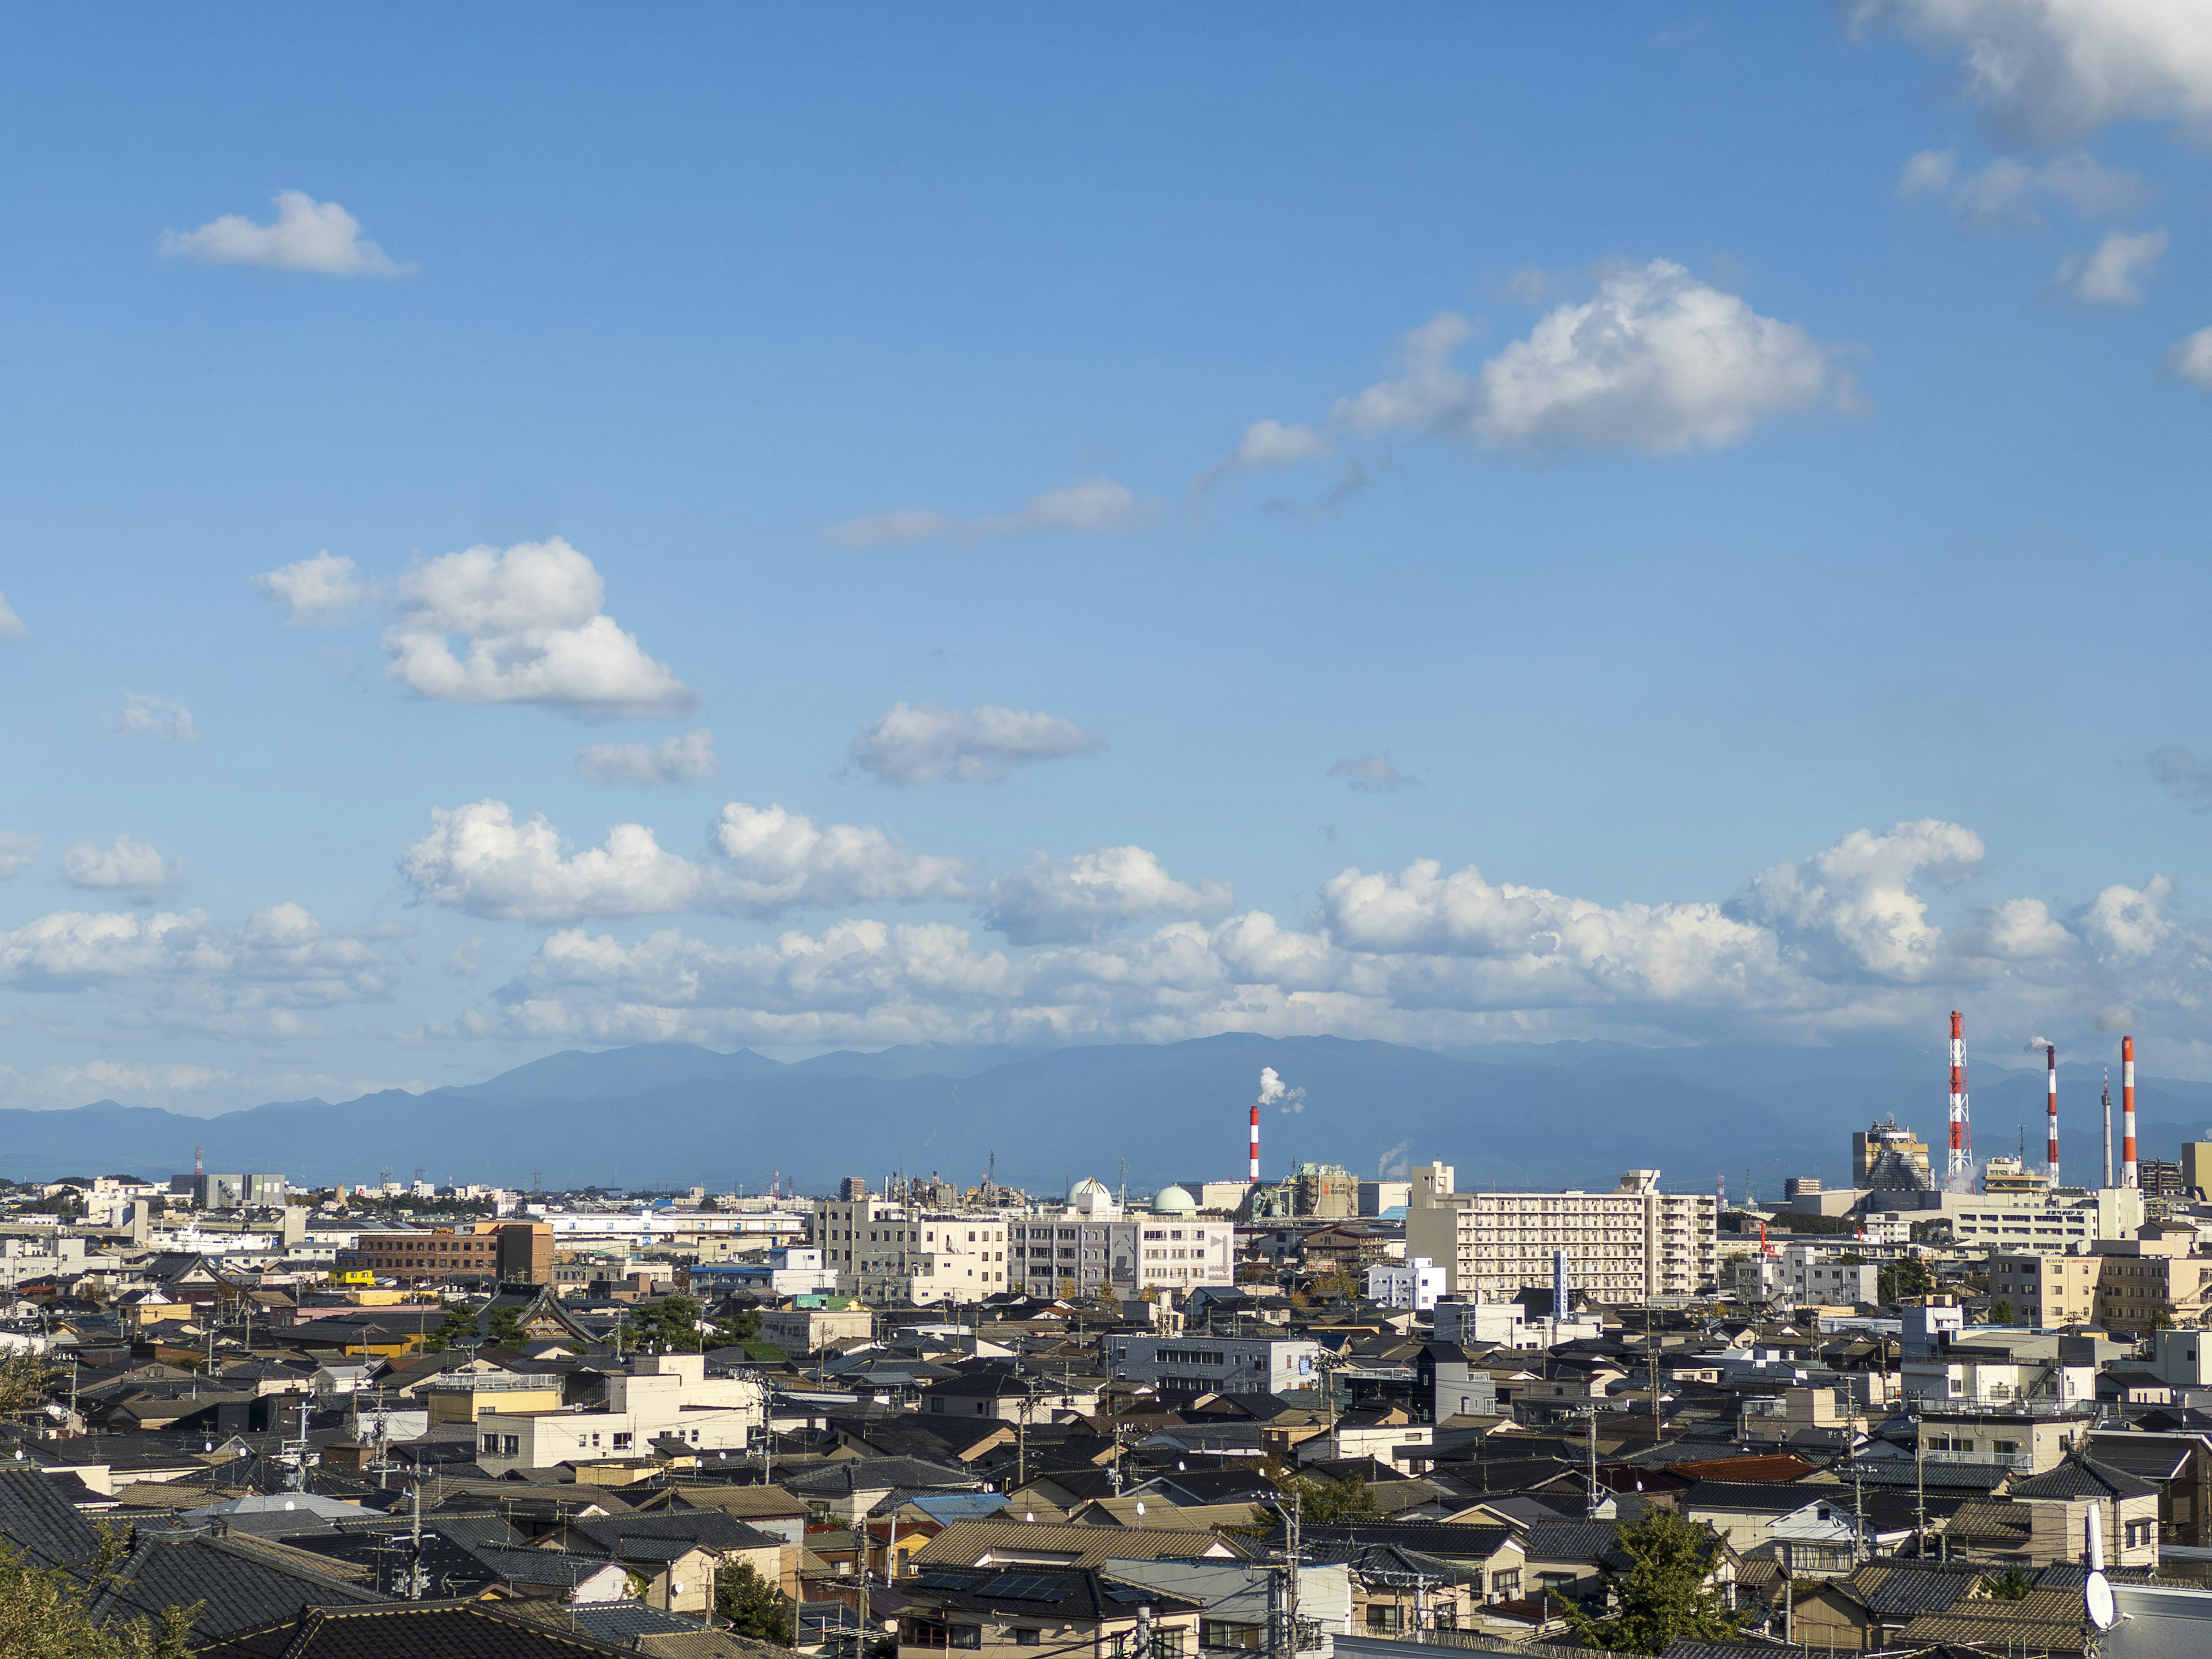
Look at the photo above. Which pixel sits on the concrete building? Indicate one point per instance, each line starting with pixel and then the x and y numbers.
pixel 1622 1246
pixel 2037 1222
pixel 1803 1275
pixel 1385 1198
pixel 1181 1367
pixel 884 1252
pixel 2152 1280
pixel 2045 1290
pixel 2197 1168
pixel 1416 1284
pixel 792 1271
pixel 1890 1159
pixel 1089 1247
pixel 485 1252
pixel 802 1330
pixel 666 1397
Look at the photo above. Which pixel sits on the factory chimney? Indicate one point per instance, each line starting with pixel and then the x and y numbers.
pixel 2108 1126
pixel 2129 1174
pixel 2050 1095
pixel 1252 1177
pixel 1958 1175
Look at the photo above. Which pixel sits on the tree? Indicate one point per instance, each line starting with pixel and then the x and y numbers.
pixel 25 1380
pixel 460 1326
pixel 1665 1593
pixel 751 1606
pixel 1345 1497
pixel 1907 1276
pixel 44 1615
pixel 504 1328
pixel 2001 1312
pixel 2011 1585
pixel 733 1329
pixel 672 1324
pixel 2161 1319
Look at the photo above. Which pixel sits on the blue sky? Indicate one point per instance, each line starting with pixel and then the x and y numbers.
pixel 1734 506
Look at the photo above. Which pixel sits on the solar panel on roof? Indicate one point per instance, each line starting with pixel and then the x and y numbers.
pixel 1021 1587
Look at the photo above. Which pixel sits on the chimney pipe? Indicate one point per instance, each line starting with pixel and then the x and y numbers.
pixel 2050 1095
pixel 1958 1176
pixel 1252 1177
pixel 2129 1177
pixel 2108 1126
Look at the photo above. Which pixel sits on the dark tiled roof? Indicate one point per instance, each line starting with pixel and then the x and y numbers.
pixel 867 1474
pixel 1895 1589
pixel 226 1587
pixel 2083 1477
pixel 449 1630
pixel 1594 1541
pixel 1452 1540
pixel 1759 1497
pixel 37 1516
pixel 1079 1593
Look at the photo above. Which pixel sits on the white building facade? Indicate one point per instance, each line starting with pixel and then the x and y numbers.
pixel 1632 1244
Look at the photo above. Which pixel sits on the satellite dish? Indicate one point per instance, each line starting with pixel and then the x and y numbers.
pixel 2097 1602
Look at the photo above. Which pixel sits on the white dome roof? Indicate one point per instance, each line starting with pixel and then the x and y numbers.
pixel 1175 1200
pixel 1089 1186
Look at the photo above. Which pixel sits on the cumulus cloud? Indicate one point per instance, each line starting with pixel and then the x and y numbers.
pixel 2112 273
pixel 479 859
pixel 320 590
pixel 1058 901
pixel 18 852
pixel 1841 942
pixel 143 716
pixel 1267 444
pixel 1372 775
pixel 674 760
pixel 11 625
pixel 923 743
pixel 1090 506
pixel 2006 193
pixel 2191 359
pixel 1655 360
pixel 307 235
pixel 184 970
pixel 2048 70
pixel 533 631
pixel 123 866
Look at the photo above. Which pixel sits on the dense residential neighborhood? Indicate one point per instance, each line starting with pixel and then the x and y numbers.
pixel 1221 1417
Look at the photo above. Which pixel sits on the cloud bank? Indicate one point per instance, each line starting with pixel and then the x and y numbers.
pixel 675 760
pixel 923 743
pixel 306 235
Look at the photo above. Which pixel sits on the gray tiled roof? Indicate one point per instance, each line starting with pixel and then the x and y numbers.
pixel 2083 1477
pixel 38 1518
pixel 226 1587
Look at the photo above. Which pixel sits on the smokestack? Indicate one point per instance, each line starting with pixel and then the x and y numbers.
pixel 196 1169
pixel 2050 1096
pixel 1252 1178
pixel 2108 1126
pixel 1958 1175
pixel 2129 1174
pixel 1558 1284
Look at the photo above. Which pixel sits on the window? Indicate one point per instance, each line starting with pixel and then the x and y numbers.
pixel 622 1442
pixel 1167 1644
pixel 930 1633
pixel 1506 1584
pixel 1027 1638
pixel 1219 1633
pixel 1446 1617
pixel 491 1442
pixel 1383 1616
pixel 513 1445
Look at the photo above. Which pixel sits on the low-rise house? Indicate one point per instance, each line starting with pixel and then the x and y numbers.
pixel 1065 1609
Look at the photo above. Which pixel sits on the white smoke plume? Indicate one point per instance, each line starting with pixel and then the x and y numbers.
pixel 2036 1045
pixel 1392 1164
pixel 1274 1091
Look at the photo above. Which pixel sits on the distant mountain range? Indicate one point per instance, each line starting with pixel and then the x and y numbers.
pixel 672 1115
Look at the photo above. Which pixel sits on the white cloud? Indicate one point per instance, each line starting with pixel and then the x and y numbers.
pixel 18 852
pixel 534 631
pixel 2004 194
pixel 478 858
pixel 2047 70
pixel 318 590
pixel 11 625
pixel 1057 901
pixel 2190 359
pixel 1655 361
pixel 2111 274
pixel 154 717
pixel 1090 506
pixel 308 235
pixel 1274 1091
pixel 1838 943
pixel 1267 444
pixel 467 957
pixel 183 970
pixel 124 867
pixel 923 743
pixel 673 760
pixel 1372 775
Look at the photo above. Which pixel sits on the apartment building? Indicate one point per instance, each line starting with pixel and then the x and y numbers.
pixel 487 1252
pixel 2046 1290
pixel 2043 1223
pixel 887 1252
pixel 1803 1275
pixel 1622 1246
pixel 1089 1245
pixel 1181 1367
pixel 667 1397
pixel 2152 1280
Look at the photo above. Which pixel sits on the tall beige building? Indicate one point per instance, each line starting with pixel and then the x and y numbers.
pixel 1622 1246
pixel 882 1252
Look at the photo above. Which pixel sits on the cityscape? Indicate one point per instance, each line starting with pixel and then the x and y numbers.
pixel 1242 832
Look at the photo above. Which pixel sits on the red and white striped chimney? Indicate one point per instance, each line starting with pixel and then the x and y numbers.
pixel 2050 1096
pixel 1959 1172
pixel 1253 1177
pixel 2129 1174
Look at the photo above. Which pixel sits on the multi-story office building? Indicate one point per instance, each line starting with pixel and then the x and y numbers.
pixel 1622 1246
pixel 1179 1367
pixel 2046 1290
pixel 2037 1222
pixel 503 1252
pixel 887 1252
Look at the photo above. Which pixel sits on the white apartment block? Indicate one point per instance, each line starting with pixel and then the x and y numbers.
pixel 668 1397
pixel 1802 1275
pixel 1416 1285
pixel 1091 1246
pixel 1181 1367
pixel 2032 1222
pixel 884 1252
pixel 1622 1246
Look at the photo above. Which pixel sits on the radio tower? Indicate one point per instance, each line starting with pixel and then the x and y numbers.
pixel 2050 1097
pixel 1958 1175
pixel 2129 1174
